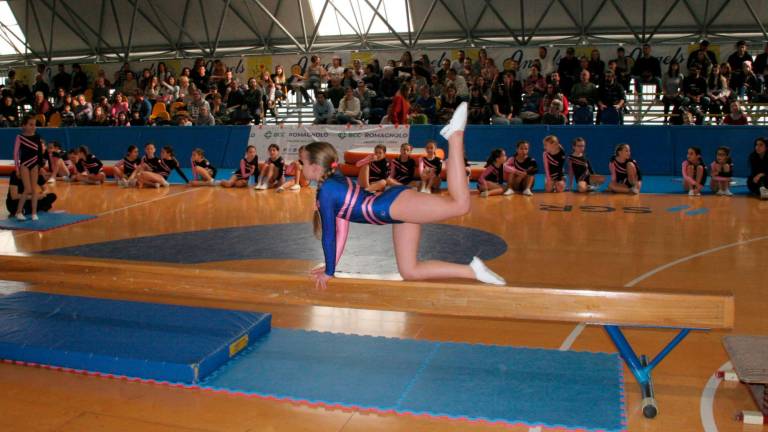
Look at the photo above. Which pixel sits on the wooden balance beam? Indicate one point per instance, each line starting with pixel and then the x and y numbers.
pixel 593 306
pixel 610 308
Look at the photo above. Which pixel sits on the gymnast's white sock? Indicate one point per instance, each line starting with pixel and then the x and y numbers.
pixel 484 274
pixel 457 123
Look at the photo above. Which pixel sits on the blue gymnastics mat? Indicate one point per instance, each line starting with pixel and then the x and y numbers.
pixel 485 383
pixel 143 340
pixel 47 221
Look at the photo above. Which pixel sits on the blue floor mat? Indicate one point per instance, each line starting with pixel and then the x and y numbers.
pixel 48 221
pixel 136 339
pixel 574 390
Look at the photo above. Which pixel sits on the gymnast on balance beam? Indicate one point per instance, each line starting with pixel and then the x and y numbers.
pixel 339 201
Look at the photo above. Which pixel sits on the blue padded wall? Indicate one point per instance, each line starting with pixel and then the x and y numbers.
pixel 659 149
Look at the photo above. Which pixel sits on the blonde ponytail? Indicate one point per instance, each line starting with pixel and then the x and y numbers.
pixel 323 154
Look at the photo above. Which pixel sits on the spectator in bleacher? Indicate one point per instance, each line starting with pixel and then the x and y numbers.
pixel 152 91
pixel 61 98
pixel 121 119
pixel 204 117
pixel 647 70
pixel 121 75
pixel 315 75
pixel 700 59
pixel 750 85
pixel 62 79
pixel 103 75
pixel 584 93
pixel 371 78
pixel 757 182
pixel 671 86
pixel 169 92
pixel 489 72
pixel 187 72
pixel 100 118
pixel 218 72
pixel 546 65
pixel 349 108
pixel 253 98
pixel 479 110
pixel 234 100
pixel 695 99
pixel 162 72
pixel 358 71
pixel 220 113
pixel 186 88
pixel 736 116
pixel 365 95
pixel 529 108
pixel 41 86
pixel 735 60
pixel 335 92
pixel 129 85
pixel 552 94
pixel 9 112
pixel 762 97
pixel 459 84
pixel 79 80
pixel 201 80
pixel 554 79
pixel 468 72
pixel 67 116
pixel 348 79
pixel 196 105
pixel 506 100
pixel 610 94
pixel 223 83
pixel 194 72
pixel 442 74
pixel 388 85
pixel 449 101
pixel 119 105
pixel 536 80
pixel 100 89
pixel 596 66
pixel 554 116
pixel 458 64
pixel 40 106
pixel 22 93
pixel 103 102
pixel 400 108
pixel 336 70
pixel 425 106
pixel 84 111
pixel 584 65
pixel 436 88
pixel 624 66
pixel 142 106
pixel 569 69
pixel 323 109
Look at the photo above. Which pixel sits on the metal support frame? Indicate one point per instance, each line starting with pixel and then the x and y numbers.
pixel 278 24
pixel 242 19
pixel 640 367
pixel 386 23
pixel 221 26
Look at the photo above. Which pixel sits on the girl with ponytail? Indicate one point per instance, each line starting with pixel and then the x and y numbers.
pixel 340 201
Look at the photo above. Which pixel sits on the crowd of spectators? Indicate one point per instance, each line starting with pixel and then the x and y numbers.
pixel 576 90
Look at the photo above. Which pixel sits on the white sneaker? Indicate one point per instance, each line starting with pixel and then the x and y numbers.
pixel 457 123
pixel 122 183
pixel 763 193
pixel 166 184
pixel 484 194
pixel 592 188
pixel 280 189
pixel 212 182
pixel 20 217
pixel 527 192
pixel 295 187
pixel 52 180
pixel 509 192
pixel 34 217
pixel 691 192
pixel 484 274
pixel 635 190
pixel 157 185
pixel 727 192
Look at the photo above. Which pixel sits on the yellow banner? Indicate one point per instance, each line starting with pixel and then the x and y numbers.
pixel 256 64
pixel 365 57
pixel 26 75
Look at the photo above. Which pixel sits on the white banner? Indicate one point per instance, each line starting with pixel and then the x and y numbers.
pixel 290 138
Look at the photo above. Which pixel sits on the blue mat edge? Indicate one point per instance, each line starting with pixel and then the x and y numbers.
pixel 430 414
pixel 83 218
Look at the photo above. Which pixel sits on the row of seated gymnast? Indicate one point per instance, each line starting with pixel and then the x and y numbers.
pixel 507 176
pixel 150 170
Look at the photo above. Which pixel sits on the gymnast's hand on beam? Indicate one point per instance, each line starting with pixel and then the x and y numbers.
pixel 321 279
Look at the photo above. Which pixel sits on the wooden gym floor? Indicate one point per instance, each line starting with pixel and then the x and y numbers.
pixel 724 248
